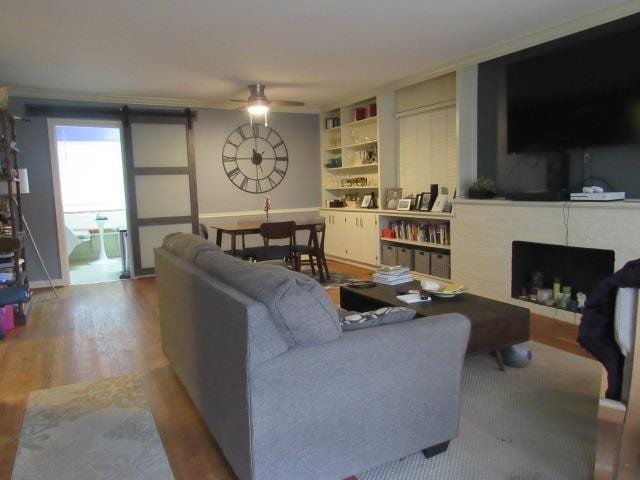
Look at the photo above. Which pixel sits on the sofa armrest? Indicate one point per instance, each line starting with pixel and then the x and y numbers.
pixel 371 396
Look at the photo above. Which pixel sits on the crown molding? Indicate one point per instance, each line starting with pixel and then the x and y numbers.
pixel 77 96
pixel 559 30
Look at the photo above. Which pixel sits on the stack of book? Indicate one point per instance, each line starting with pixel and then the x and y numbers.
pixel 392 275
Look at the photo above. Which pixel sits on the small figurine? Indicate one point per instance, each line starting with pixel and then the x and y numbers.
pixel 582 299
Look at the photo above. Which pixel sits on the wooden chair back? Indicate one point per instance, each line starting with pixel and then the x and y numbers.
pixel 278 231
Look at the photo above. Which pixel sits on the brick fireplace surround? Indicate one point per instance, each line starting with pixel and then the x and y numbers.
pixel 483 232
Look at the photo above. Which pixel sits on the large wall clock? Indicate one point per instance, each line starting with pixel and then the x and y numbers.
pixel 255 158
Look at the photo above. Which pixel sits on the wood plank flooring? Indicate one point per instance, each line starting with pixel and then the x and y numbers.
pixel 110 329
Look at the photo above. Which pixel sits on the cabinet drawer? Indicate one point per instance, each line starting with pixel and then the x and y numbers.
pixel 422 261
pixel 405 257
pixel 389 255
pixel 440 265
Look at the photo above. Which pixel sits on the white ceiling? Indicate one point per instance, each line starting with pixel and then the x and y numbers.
pixel 315 51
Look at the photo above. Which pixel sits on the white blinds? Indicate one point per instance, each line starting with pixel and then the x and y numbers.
pixel 428 150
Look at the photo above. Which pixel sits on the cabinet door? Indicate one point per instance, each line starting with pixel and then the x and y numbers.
pixel 370 239
pixel 335 235
pixel 353 236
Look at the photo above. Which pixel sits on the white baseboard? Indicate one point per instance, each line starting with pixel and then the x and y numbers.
pixel 57 282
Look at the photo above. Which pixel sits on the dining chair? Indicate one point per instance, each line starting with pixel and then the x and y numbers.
pixel 204 233
pixel 276 231
pixel 314 251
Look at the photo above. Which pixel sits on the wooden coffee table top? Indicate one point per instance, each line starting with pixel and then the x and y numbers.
pixel 494 324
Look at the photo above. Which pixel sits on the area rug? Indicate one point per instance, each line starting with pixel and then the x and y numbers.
pixel 535 423
pixel 99 430
pixel 336 278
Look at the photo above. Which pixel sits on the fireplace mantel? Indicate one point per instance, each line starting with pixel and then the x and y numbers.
pixel 483 232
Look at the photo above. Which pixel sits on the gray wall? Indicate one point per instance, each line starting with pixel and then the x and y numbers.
pixel 299 189
pixel 301 186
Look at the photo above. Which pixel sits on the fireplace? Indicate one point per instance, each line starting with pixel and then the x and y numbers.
pixel 536 267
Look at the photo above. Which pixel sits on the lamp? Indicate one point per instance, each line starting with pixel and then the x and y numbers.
pixel 23 177
pixel 257 103
pixel 258 108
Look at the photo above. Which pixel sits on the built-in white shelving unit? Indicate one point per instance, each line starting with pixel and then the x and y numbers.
pixel 354 154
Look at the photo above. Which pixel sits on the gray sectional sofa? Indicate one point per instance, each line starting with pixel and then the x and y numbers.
pixel 286 394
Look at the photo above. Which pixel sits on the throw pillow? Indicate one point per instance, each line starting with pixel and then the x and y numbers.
pixel 382 316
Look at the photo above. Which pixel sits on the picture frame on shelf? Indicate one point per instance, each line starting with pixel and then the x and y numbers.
pixel 366 201
pixel 404 204
pixel 425 201
pixel 391 198
pixel 418 202
pixel 440 203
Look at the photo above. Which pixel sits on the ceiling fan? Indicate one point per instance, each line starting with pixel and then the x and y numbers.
pixel 258 104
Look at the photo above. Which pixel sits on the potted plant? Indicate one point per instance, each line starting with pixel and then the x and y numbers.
pixel 483 187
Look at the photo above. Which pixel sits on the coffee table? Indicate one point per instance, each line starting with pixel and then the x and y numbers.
pixel 494 324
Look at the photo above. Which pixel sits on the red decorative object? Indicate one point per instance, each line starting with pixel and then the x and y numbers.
pixel 361 113
pixel 373 110
pixel 388 233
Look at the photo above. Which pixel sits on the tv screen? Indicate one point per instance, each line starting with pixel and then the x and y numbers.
pixel 581 96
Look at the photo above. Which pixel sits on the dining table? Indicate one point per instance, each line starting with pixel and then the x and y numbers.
pixel 238 228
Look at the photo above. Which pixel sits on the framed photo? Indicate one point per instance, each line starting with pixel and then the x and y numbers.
pixel 391 198
pixel 426 199
pixel 404 204
pixel 418 201
pixel 366 201
pixel 441 203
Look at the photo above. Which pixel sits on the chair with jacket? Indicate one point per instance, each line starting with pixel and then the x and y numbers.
pixel 609 330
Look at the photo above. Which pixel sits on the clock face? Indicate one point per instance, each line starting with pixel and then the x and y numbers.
pixel 255 158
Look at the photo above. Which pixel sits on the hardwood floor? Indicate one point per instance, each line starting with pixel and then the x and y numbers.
pixel 109 329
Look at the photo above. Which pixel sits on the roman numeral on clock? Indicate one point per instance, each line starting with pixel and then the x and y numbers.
pixel 256 131
pixel 231 143
pixel 272 182
pixel 233 173
pixel 228 159
pixel 242 134
pixel 280 172
pixel 278 144
pixel 258 187
pixel 282 159
pixel 245 182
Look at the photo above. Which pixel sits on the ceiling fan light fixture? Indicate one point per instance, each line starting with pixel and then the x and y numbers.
pixel 258 109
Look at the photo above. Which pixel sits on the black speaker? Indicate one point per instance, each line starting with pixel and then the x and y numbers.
pixel 434 194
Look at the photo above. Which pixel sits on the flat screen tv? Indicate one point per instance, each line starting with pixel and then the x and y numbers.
pixel 583 95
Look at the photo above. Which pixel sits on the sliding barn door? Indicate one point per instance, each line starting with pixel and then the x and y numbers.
pixel 161 183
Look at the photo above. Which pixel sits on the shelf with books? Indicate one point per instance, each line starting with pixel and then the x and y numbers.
pixel 425 233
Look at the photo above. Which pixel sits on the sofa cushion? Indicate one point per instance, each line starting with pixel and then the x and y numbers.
pixel 382 316
pixel 299 307
pixel 188 246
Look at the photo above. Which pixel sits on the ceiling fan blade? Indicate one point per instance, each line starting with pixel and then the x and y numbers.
pixel 286 103
pixel 236 101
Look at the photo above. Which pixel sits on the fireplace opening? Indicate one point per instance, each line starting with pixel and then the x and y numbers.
pixel 557 276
